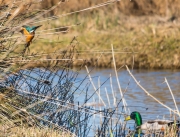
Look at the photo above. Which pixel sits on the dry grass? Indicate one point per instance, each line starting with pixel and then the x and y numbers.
pixel 133 7
pixel 23 125
pixel 154 40
pixel 6 131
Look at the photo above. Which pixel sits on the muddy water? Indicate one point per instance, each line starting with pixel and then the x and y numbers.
pixel 137 100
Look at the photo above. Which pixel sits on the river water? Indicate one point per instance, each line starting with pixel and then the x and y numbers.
pixel 105 83
pixel 136 98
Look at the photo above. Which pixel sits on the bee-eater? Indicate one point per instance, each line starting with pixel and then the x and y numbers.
pixel 29 33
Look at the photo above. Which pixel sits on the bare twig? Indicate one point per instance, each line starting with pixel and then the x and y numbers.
pixel 119 86
pixel 94 85
pixel 172 95
pixel 149 93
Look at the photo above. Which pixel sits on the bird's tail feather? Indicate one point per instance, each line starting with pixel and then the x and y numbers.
pixel 37 27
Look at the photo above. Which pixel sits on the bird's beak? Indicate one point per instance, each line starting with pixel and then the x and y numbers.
pixel 127 118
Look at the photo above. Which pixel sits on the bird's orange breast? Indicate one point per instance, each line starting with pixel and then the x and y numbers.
pixel 29 36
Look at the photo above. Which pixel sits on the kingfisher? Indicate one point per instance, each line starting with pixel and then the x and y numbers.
pixel 29 33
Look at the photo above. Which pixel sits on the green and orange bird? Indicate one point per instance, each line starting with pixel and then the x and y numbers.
pixel 29 33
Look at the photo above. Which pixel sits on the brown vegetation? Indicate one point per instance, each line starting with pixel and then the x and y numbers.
pixel 129 7
pixel 154 35
pixel 21 131
pixel 149 28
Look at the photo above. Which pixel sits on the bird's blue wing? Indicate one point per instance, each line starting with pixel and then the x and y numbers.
pixel 29 29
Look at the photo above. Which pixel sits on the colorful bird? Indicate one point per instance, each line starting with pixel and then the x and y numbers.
pixel 29 33
pixel 151 125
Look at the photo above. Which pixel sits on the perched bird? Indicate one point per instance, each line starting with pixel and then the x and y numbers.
pixel 152 125
pixel 29 33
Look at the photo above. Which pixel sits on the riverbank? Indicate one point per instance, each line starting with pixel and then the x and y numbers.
pixel 141 35
pixel 152 41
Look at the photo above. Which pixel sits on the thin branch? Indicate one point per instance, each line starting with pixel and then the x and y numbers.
pixel 119 86
pixel 94 85
pixel 172 95
pixel 149 93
